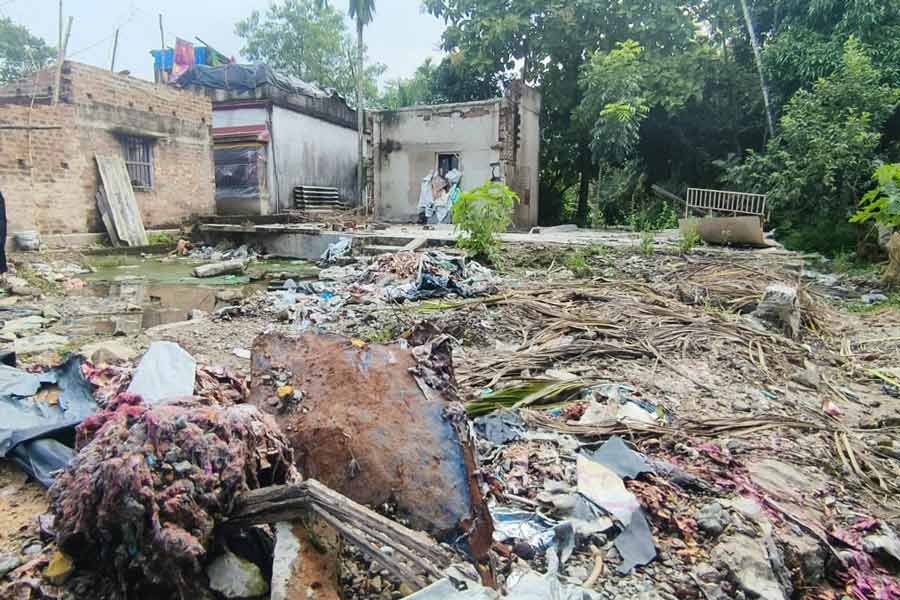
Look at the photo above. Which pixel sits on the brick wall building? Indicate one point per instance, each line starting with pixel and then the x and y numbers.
pixel 47 170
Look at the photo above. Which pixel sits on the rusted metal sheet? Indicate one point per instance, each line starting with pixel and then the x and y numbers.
pixel 361 423
pixel 740 231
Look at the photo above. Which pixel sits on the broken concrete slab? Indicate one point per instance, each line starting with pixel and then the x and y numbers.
pixel 748 562
pixel 361 423
pixel 44 342
pixel 779 310
pixel 108 351
pixel 229 267
pixel 885 548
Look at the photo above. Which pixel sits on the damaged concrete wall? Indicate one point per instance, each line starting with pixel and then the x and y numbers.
pixel 311 151
pixel 405 144
pixel 49 177
pixel 408 142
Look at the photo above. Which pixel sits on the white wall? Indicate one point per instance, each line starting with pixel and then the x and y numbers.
pixel 240 117
pixel 310 151
pixel 408 141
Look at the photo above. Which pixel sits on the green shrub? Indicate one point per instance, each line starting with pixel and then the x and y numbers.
pixel 481 214
pixel 648 242
pixel 690 237
pixel 882 204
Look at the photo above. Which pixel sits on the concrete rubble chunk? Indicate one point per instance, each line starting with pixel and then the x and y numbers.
pixel 228 267
pixel 779 310
pixel 886 548
pixel 804 556
pixel 748 562
pixel 108 351
pixel 44 342
pixel 361 423
pixel 234 577
pixel 712 519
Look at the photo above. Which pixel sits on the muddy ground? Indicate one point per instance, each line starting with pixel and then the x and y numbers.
pixel 577 313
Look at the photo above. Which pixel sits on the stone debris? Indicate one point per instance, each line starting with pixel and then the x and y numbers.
pixel 234 577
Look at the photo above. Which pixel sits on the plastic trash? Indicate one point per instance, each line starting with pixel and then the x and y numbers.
pixel 339 249
pixel 34 428
pixel 165 371
pixel 29 241
pixel 510 524
pixel 602 486
pixel 620 459
pixel 528 585
pixel 500 427
pixel 635 544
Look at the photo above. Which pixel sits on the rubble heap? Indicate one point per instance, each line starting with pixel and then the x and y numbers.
pixel 149 485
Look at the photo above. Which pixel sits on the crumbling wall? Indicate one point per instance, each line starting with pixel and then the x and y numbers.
pixel 521 136
pixel 404 145
pixel 49 177
pixel 407 142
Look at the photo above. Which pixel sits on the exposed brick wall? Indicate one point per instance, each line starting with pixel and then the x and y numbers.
pixel 49 176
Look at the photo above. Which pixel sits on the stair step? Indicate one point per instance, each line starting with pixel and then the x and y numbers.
pixel 375 249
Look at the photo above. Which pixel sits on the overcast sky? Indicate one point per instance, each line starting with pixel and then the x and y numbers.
pixel 401 37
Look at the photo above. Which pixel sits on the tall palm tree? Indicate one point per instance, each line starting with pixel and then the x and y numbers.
pixel 363 12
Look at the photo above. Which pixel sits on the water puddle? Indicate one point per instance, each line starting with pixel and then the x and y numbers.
pixel 126 295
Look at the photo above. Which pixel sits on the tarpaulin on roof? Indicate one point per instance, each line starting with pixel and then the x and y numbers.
pixel 245 78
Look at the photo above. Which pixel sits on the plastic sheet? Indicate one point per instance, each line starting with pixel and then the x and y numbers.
pixel 635 544
pixel 620 459
pixel 165 371
pixel 339 249
pixel 26 415
pixel 245 78
pixel 528 585
pixel 237 173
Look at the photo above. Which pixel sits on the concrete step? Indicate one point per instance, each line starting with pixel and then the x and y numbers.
pixel 376 249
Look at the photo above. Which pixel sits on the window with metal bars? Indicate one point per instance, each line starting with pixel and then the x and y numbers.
pixel 139 161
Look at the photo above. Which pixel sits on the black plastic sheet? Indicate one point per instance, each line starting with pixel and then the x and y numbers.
pixel 244 78
pixel 237 173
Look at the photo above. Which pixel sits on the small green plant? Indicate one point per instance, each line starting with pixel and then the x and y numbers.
pixel 842 262
pixel 160 239
pixel 690 236
pixel 577 262
pixel 648 242
pixel 481 214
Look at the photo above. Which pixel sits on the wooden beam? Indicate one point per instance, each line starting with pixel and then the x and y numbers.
pixel 417 559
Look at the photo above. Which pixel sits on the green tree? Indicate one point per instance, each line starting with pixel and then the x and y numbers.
pixel 412 91
pixel 551 40
pixel 829 142
pixel 309 41
pixel 614 104
pixel 21 52
pixel 362 12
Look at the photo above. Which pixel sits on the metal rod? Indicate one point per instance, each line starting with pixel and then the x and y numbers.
pixel 112 64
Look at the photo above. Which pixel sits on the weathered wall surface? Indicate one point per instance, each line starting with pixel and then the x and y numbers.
pixel 311 151
pixel 409 141
pixel 523 173
pixel 240 117
pixel 405 144
pixel 49 177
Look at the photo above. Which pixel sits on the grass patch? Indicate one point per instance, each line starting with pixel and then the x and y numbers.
pixel 160 239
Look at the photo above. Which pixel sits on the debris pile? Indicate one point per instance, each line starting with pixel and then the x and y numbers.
pixel 149 485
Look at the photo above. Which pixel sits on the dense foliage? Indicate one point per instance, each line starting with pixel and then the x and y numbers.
pixel 882 204
pixel 643 92
pixel 308 39
pixel 20 52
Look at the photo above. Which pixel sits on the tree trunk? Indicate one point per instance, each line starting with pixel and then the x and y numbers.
pixel 360 116
pixel 759 67
pixel 584 188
